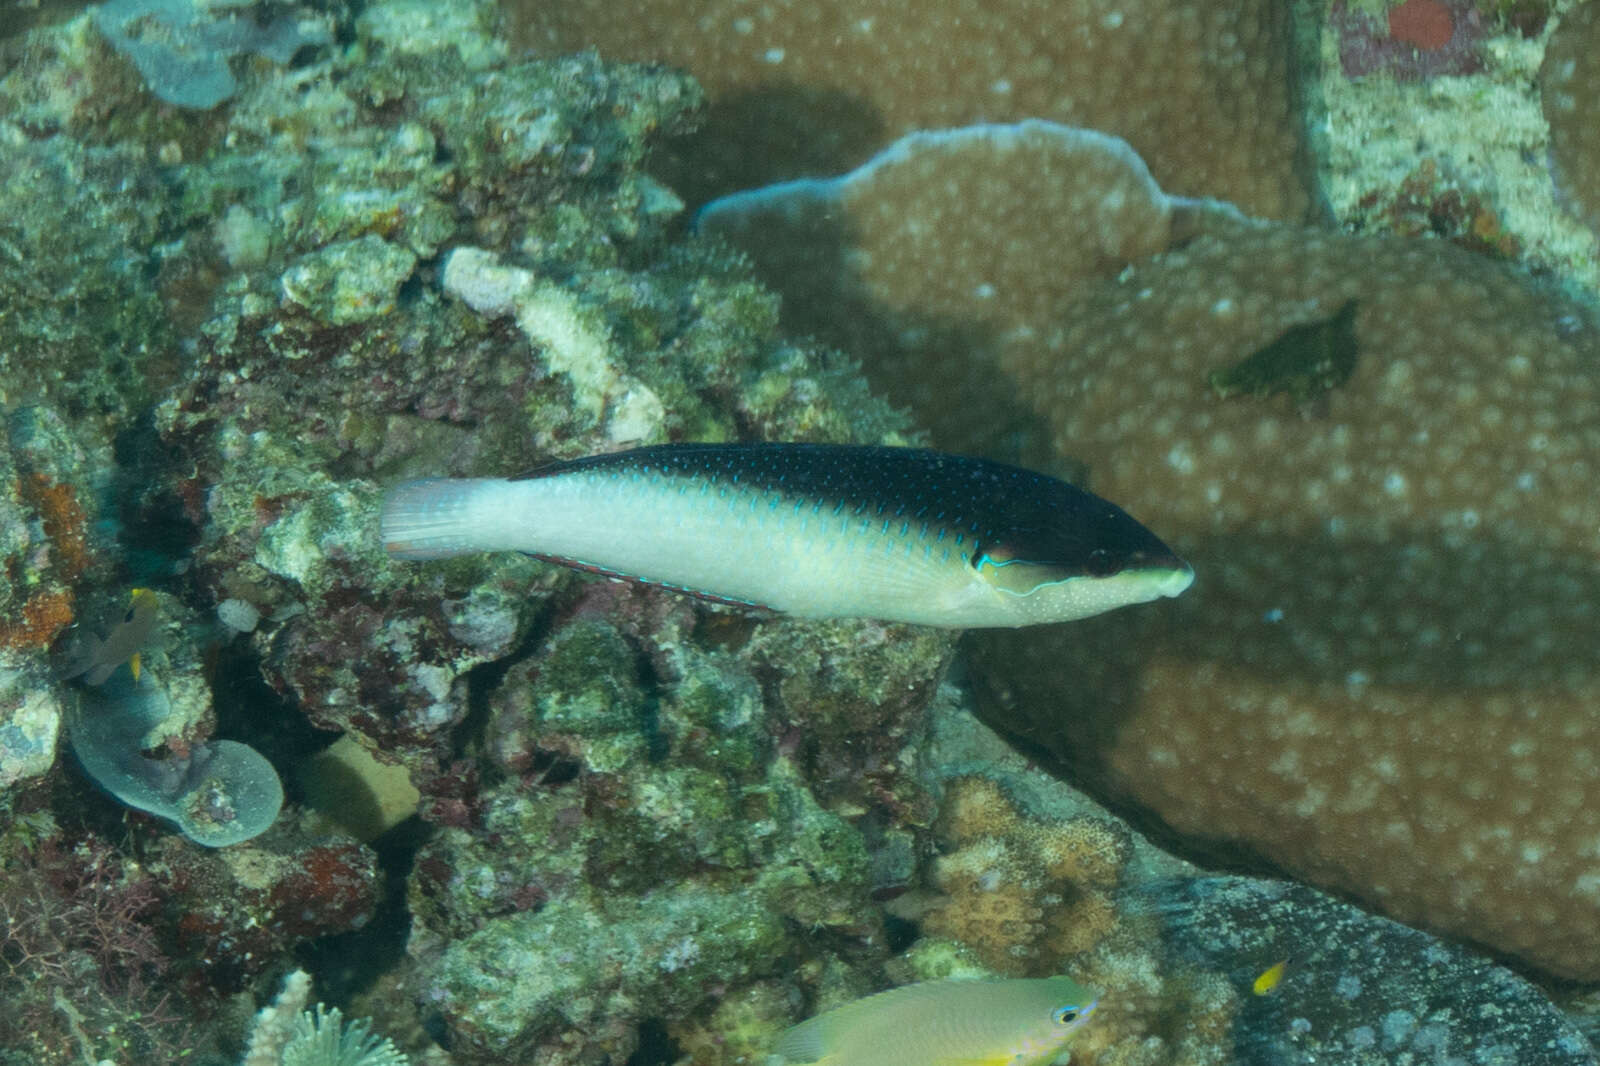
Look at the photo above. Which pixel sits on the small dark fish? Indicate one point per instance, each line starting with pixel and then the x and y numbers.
pixel 1305 361
pixel 813 530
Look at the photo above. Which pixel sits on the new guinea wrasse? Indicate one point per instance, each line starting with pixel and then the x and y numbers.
pixel 813 530
pixel 1020 1022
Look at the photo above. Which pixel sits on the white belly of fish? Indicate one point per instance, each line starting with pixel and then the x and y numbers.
pixel 723 541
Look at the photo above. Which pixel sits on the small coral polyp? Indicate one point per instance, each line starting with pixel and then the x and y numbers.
pixel 1023 895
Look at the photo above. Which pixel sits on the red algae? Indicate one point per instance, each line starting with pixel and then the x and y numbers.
pixel 1421 39
pixel 1424 23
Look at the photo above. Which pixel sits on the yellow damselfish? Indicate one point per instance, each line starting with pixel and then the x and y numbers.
pixel 1270 978
pixel 1022 1022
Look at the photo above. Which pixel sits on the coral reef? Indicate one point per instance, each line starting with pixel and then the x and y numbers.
pixel 1203 91
pixel 613 822
pixel 630 740
pixel 1450 154
pixel 48 546
pixel 82 968
pixel 182 47
pixel 302 221
pixel 231 914
pixel 1449 420
pixel 657 841
pixel 338 630
pixel 1430 203
pixel 74 215
pixel 1569 80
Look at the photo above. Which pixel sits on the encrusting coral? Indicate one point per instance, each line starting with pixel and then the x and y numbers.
pixel 1205 92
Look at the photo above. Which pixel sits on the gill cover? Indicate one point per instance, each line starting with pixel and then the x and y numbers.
pixel 1009 570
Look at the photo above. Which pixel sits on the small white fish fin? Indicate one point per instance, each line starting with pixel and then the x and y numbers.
pixel 429 519
pixel 553 467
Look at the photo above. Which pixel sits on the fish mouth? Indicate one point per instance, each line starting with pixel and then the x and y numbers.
pixel 1175 580
pixel 1164 573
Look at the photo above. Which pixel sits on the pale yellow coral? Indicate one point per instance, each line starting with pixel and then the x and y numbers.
pixel 976 807
pixel 1022 894
pixel 1085 851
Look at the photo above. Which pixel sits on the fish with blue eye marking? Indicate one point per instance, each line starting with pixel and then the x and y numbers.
pixel 1020 1022
pixel 812 530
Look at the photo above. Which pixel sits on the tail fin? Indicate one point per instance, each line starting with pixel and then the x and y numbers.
pixel 430 519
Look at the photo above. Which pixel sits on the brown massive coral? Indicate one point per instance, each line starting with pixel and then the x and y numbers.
pixel 926 257
pixel 1203 91
pixel 1383 678
pixel 1570 82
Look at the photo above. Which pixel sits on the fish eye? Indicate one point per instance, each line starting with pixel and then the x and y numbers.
pixel 1065 1015
pixel 1101 563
